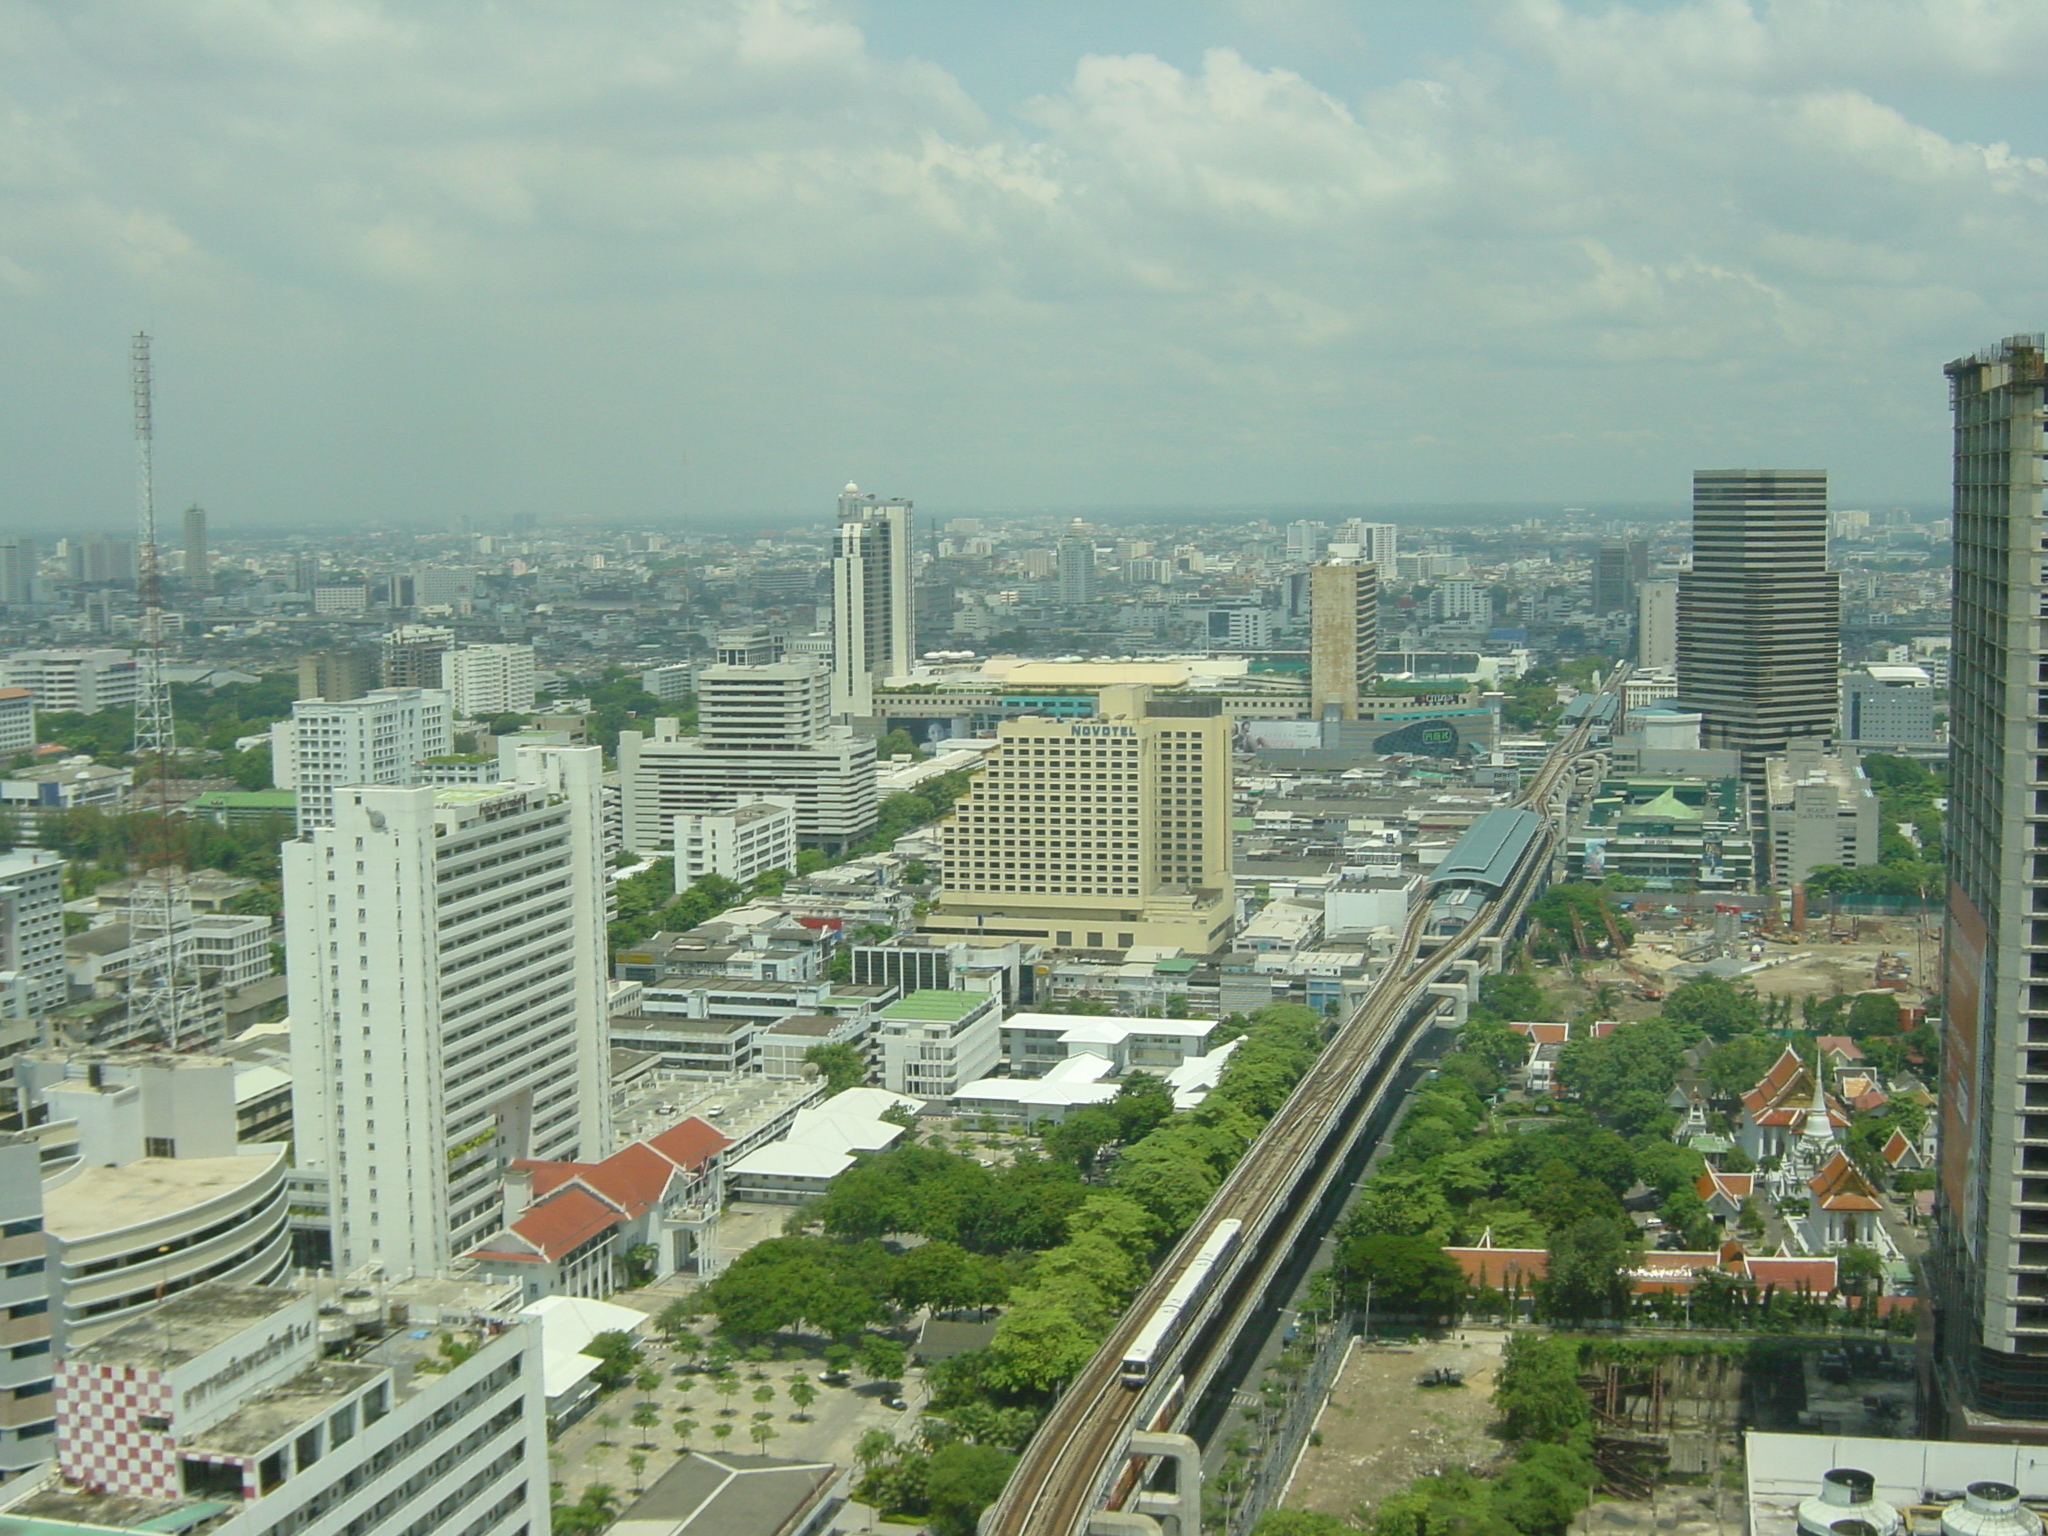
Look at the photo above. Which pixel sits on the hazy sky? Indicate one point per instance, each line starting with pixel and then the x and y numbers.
pixel 618 258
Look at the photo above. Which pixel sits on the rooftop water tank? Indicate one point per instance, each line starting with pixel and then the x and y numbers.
pixel 1848 1496
pixel 1990 1509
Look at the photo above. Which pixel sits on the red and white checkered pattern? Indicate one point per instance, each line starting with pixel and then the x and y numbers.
pixel 100 1440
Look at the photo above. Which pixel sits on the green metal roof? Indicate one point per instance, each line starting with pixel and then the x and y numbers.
pixel 932 1003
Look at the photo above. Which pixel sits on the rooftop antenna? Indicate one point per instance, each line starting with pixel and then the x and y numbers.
pixel 160 997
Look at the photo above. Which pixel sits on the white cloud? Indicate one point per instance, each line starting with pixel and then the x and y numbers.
pixel 1623 238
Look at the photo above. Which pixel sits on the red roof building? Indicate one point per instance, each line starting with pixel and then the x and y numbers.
pixel 570 1225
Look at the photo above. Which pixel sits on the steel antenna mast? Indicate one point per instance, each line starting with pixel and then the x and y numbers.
pixel 161 997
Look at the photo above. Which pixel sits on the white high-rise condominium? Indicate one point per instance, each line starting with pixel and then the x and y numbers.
pixel 1988 1266
pixel 872 616
pixel 1076 568
pixel 486 680
pixel 448 976
pixel 377 739
pixel 1657 622
pixel 762 731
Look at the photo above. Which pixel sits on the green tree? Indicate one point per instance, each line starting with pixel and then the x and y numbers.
pixel 1399 1204
pixel 1588 1270
pixel 1735 1065
pixel 1874 1013
pixel 802 1393
pixel 618 1358
pixel 841 1065
pixel 591 1513
pixel 1715 1007
pixel 882 1357
pixel 645 1417
pixel 1538 1393
pixel 961 1481
pixel 1408 1276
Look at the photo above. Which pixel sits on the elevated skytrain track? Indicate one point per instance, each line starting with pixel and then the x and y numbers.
pixel 1075 1467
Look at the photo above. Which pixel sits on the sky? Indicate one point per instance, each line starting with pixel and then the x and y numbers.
pixel 707 260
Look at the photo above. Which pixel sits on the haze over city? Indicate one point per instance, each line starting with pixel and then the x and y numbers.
pixel 629 261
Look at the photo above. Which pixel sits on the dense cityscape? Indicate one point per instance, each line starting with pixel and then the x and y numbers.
pixel 1278 907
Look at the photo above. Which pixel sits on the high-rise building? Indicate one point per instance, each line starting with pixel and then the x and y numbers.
pixel 1075 553
pixel 761 731
pixel 1759 613
pixel 337 675
pixel 486 680
pixel 17 720
pixel 873 621
pixel 96 557
pixel 19 563
pixel 415 656
pixel 1343 636
pixel 85 679
pixel 198 559
pixel 1657 622
pixel 1618 565
pixel 1305 540
pixel 32 971
pixel 448 976
pixel 1461 600
pixel 377 739
pixel 1099 833
pixel 1989 1262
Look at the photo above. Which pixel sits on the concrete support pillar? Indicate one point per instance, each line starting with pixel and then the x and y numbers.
pixel 1460 998
pixel 1118 1522
pixel 1179 1513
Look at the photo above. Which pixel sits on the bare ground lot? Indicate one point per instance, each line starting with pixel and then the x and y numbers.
pixel 1380 1430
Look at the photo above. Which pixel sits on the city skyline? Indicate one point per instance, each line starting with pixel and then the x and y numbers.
pixel 1195 256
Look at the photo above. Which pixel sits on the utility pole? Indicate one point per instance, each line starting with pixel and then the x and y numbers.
pixel 160 995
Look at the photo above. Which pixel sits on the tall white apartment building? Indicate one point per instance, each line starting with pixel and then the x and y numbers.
pixel 485 680
pixel 872 616
pixel 83 678
pixel 447 963
pixel 762 732
pixel 1657 622
pixel 377 739
pixel 32 976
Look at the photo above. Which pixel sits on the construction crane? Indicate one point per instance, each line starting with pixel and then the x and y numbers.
pixel 163 998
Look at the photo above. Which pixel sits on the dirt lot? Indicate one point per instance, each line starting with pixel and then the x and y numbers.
pixel 1380 1430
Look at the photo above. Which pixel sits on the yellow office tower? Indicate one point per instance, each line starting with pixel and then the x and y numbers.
pixel 1097 833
